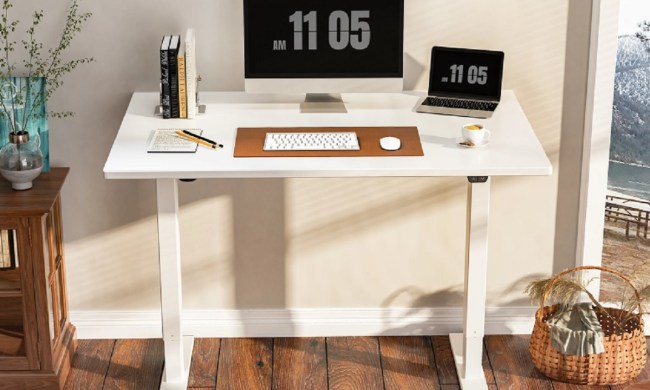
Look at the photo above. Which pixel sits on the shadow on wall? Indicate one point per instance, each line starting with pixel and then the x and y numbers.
pixel 232 234
pixel 234 237
pixel 236 240
pixel 413 72
pixel 418 301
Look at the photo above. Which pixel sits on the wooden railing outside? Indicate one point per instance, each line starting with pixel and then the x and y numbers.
pixel 630 211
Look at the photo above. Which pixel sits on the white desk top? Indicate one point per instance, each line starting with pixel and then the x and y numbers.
pixel 513 149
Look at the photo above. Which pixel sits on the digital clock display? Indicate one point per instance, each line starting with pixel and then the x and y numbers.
pixel 466 72
pixel 323 38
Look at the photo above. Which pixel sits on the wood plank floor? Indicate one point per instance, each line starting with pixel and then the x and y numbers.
pixel 365 363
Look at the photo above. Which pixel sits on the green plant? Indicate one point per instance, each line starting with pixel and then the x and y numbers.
pixel 37 63
pixel 570 288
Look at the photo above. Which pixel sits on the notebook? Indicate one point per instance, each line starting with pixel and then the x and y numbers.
pixel 463 82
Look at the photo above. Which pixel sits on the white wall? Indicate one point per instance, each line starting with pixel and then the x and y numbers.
pixel 302 242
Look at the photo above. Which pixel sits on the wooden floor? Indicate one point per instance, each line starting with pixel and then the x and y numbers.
pixel 311 363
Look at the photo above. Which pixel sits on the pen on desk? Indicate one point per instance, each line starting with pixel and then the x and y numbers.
pixel 202 138
pixel 198 141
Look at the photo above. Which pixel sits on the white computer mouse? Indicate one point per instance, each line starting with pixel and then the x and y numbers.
pixel 390 143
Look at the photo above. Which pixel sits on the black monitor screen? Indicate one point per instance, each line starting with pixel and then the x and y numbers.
pixel 465 72
pixel 323 38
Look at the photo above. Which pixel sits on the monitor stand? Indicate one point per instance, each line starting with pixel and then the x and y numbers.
pixel 322 103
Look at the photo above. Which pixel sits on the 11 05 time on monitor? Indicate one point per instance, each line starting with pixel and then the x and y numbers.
pixel 344 30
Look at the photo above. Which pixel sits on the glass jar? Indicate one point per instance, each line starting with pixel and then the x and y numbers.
pixel 21 160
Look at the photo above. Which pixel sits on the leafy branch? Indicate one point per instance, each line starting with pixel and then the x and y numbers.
pixel 39 65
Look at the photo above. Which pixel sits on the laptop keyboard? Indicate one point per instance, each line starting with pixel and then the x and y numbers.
pixel 460 103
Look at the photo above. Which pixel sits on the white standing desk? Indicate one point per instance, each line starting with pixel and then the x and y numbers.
pixel 513 151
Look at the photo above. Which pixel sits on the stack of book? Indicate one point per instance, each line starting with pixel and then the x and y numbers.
pixel 178 76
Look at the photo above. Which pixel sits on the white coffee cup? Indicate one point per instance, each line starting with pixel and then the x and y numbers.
pixel 475 133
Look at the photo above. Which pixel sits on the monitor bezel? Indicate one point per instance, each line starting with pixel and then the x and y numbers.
pixel 399 74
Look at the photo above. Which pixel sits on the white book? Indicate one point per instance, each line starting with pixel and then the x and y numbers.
pixel 190 73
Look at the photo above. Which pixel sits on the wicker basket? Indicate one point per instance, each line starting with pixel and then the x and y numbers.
pixel 625 352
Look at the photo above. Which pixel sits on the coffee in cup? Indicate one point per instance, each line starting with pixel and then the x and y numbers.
pixel 475 133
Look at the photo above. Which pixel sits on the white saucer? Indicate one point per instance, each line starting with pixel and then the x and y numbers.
pixel 459 142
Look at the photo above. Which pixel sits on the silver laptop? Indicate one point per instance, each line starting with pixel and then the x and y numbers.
pixel 463 82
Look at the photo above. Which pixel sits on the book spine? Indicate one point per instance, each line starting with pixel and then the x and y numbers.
pixel 165 97
pixel 182 91
pixel 190 73
pixel 173 82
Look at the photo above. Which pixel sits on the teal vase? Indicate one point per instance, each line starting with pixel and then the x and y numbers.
pixel 25 96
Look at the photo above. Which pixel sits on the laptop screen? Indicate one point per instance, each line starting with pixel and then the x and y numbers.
pixel 466 73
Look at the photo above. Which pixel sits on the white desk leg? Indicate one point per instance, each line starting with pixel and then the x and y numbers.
pixel 468 346
pixel 177 363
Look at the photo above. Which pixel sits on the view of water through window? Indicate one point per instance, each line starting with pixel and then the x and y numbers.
pixel 626 237
pixel 630 145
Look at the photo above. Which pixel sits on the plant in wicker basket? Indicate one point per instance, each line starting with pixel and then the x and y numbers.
pixel 623 340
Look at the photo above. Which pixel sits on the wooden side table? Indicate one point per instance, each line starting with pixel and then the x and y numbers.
pixel 37 341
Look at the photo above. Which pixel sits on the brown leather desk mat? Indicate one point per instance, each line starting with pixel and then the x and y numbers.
pixel 250 142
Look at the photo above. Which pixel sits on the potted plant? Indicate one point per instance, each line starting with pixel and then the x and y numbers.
pixel 29 75
pixel 578 338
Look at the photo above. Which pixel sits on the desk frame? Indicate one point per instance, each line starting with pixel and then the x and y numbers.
pixel 467 346
pixel 177 347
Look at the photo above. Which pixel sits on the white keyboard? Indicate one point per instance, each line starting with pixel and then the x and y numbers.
pixel 312 141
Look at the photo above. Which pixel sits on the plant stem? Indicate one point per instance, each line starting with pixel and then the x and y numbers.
pixel 54 59
pixel 12 118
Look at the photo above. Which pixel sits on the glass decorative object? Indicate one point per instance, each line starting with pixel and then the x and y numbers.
pixel 21 160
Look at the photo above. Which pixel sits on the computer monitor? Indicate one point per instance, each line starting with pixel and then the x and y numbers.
pixel 323 47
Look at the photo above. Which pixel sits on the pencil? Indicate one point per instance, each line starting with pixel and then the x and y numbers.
pixel 198 141
pixel 201 138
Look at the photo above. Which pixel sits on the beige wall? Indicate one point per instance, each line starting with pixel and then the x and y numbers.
pixel 300 242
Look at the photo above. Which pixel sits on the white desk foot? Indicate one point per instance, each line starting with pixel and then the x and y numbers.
pixel 188 346
pixel 473 381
